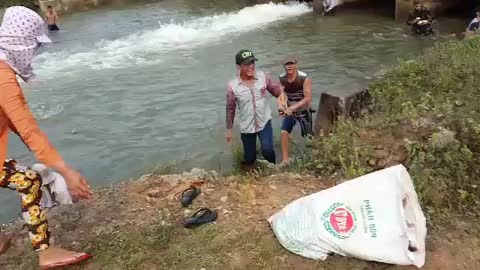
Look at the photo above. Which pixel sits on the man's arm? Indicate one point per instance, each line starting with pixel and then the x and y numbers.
pixel 412 19
pixel 282 100
pixel 307 99
pixel 231 107
pixel 273 87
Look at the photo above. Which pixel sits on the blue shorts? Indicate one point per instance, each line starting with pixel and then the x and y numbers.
pixel 305 121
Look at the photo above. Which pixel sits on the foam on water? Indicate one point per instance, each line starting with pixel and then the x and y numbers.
pixel 149 46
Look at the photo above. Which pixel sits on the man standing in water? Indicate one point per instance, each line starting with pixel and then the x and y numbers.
pixel 474 25
pixel 248 93
pixel 294 104
pixel 420 19
pixel 52 19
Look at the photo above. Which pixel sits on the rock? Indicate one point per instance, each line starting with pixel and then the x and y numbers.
pixel 74 131
pixel 214 174
pixel 442 138
pixel 273 187
pixel 197 173
pixel 224 199
pixel 339 104
pixel 231 178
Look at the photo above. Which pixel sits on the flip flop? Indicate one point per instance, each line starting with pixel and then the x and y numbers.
pixel 7 240
pixel 75 260
pixel 188 195
pixel 200 217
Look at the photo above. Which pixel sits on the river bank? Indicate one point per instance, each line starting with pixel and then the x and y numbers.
pixel 136 225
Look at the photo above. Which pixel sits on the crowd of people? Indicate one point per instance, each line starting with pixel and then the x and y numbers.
pixel 23 31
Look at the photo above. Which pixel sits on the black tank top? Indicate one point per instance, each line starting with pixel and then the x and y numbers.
pixel 294 90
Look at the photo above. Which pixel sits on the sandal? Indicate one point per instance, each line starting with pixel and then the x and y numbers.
pixel 200 217
pixel 188 195
pixel 75 260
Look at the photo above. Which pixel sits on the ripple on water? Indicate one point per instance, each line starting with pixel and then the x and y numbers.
pixel 45 111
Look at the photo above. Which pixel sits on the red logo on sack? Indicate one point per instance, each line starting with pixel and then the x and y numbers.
pixel 341 220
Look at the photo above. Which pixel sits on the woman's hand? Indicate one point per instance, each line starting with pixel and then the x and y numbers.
pixel 78 185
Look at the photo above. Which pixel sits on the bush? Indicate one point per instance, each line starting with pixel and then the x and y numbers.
pixel 434 101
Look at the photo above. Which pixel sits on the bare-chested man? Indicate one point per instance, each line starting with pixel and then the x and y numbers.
pixel 52 19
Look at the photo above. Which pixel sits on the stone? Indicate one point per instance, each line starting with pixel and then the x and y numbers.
pixel 197 173
pixel 231 178
pixel 224 199
pixel 339 104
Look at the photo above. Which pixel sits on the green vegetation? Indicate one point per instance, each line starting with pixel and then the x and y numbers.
pixel 427 112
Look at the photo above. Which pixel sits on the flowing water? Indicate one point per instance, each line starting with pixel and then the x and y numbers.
pixel 123 90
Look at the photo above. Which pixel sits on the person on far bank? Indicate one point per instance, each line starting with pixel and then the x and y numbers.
pixel 294 104
pixel 52 19
pixel 420 19
pixel 473 27
pixel 329 7
pixel 248 93
pixel 22 32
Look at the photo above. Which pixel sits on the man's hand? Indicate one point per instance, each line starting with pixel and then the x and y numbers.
pixel 288 111
pixel 229 136
pixel 77 185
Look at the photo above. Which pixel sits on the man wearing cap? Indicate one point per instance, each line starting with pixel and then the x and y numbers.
pixel 420 19
pixel 294 104
pixel 248 93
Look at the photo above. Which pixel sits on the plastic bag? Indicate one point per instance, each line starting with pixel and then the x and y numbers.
pixel 376 217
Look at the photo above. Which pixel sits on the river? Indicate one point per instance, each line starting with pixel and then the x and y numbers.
pixel 123 90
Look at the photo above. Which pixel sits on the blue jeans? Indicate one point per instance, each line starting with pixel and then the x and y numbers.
pixel 249 141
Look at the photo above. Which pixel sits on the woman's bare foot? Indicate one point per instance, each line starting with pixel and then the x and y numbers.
pixel 56 256
pixel 4 242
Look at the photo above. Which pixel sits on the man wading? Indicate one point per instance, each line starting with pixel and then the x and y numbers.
pixel 294 104
pixel 248 93
pixel 52 19
pixel 420 19
pixel 473 27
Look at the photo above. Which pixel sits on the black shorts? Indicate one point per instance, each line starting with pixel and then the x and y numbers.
pixel 53 27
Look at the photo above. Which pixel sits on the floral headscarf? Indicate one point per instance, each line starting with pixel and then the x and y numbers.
pixel 21 33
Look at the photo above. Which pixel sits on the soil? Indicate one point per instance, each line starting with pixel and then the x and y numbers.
pixel 137 225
